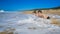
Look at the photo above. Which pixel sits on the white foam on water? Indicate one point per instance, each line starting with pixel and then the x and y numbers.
pixel 29 24
pixel 1 10
pixel 39 22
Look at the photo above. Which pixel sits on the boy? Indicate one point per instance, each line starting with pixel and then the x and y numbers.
pixel 40 14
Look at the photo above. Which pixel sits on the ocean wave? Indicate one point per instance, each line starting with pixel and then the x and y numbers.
pixel 23 23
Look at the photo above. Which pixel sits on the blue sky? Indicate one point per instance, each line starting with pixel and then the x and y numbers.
pixel 15 5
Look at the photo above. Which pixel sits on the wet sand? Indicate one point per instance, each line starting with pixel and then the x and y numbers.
pixel 6 33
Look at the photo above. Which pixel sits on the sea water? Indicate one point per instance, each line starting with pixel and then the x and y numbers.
pixel 27 24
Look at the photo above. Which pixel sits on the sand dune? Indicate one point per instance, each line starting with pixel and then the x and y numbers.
pixel 51 11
